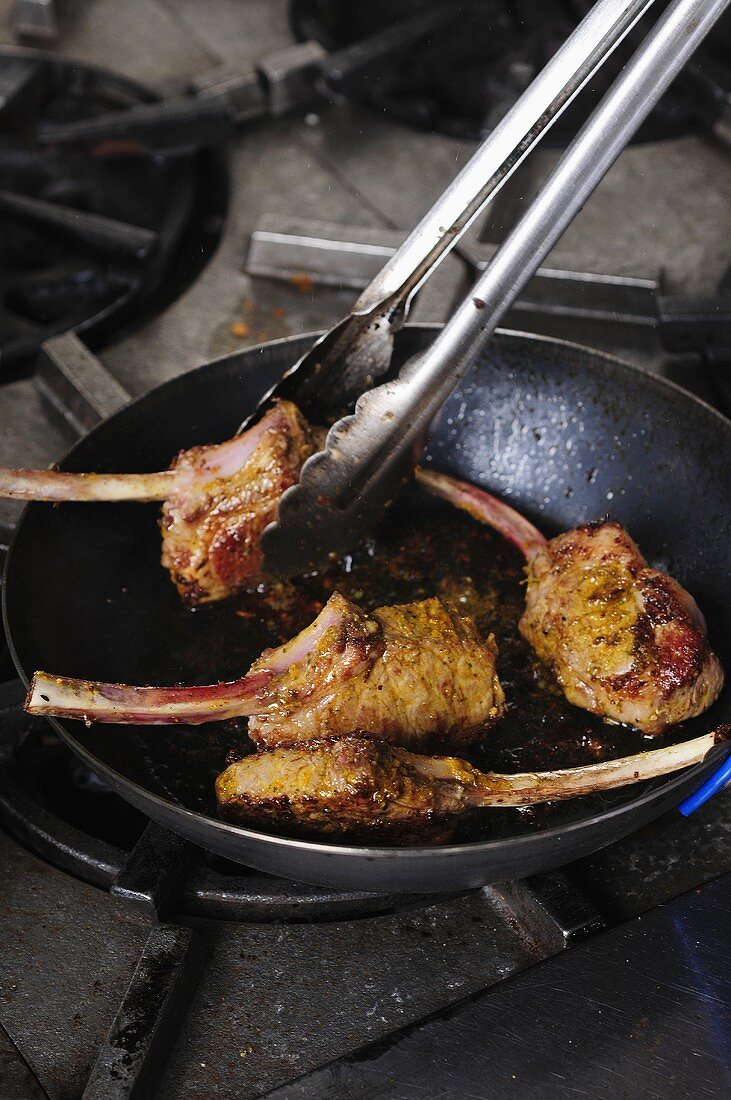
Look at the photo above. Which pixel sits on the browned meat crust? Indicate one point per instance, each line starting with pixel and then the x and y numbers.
pixel 212 524
pixel 353 786
pixel 414 674
pixel 624 641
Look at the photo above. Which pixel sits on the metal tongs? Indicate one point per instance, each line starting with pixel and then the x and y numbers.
pixel 344 488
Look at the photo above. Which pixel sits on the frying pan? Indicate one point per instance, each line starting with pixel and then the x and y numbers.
pixel 563 432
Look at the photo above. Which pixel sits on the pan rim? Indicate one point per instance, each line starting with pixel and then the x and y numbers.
pixel 658 790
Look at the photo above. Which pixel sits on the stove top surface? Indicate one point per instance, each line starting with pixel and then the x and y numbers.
pixel 93 239
pixel 467 73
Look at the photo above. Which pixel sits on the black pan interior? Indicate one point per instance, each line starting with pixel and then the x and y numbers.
pixel 565 434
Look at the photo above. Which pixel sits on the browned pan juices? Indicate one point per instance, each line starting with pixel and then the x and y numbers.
pixel 423 548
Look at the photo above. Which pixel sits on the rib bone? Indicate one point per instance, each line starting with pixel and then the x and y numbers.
pixel 93 701
pixel 485 508
pixel 57 485
pixel 523 789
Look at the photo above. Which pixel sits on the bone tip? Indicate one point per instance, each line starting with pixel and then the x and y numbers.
pixel 722 734
pixel 36 700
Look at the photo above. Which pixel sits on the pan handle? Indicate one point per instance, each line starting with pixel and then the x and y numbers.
pixel 712 786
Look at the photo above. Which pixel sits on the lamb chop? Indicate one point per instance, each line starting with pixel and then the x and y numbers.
pixel 623 640
pixel 413 674
pixel 217 500
pixel 430 677
pixel 358 787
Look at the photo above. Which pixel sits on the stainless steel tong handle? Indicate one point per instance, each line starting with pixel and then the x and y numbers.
pixel 347 359
pixel 508 144
pixel 344 488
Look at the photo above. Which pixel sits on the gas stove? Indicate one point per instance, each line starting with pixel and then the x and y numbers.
pixel 134 963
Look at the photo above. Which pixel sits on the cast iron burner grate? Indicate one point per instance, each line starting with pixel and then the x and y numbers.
pixel 93 238
pixel 463 79
pixel 53 805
